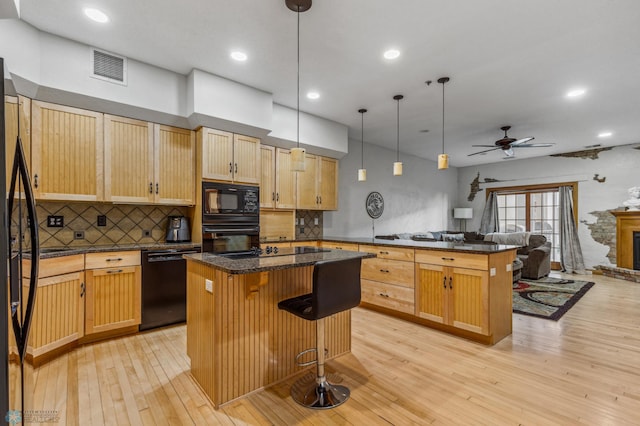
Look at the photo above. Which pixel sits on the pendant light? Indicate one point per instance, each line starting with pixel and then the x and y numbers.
pixel 362 172
pixel 397 166
pixel 297 153
pixel 443 159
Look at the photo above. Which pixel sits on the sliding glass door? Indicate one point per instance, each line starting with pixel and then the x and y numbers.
pixel 532 209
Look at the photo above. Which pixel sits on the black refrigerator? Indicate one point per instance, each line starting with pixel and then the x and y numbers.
pixel 19 242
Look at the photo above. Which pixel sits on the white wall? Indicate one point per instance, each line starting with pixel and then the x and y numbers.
pixel 420 200
pixel 619 166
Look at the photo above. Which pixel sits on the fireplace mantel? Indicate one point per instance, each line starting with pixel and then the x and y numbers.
pixel 626 223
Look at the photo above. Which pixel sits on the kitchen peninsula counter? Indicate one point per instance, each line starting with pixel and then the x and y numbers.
pixel 237 338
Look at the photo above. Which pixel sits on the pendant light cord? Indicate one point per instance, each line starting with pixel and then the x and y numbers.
pixel 443 118
pixel 398 134
pixel 298 92
pixel 362 140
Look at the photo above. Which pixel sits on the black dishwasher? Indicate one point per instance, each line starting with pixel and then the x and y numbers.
pixel 164 287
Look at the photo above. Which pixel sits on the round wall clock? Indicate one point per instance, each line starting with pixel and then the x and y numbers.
pixel 374 205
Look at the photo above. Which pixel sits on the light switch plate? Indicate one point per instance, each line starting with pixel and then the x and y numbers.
pixel 208 285
pixel 509 267
pixel 316 221
pixel 301 221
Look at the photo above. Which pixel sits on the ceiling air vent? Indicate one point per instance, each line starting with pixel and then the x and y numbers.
pixel 109 67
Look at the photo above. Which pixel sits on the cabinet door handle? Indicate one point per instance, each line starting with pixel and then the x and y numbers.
pixel 35 181
pixel 384 270
pixel 278 196
pixel 230 168
pixel 157 187
pixel 448 259
pixel 444 283
pixel 317 202
pixel 384 252
pixel 320 199
pixel 450 280
pixel 83 288
pixel 338 248
pixel 236 169
pixel 273 196
pixel 150 187
pixel 384 295
pixel 114 271
pixel 115 259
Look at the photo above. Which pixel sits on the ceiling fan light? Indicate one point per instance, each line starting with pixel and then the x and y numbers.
pixel 297 159
pixel 362 175
pixel 397 168
pixel 443 161
pixel 508 152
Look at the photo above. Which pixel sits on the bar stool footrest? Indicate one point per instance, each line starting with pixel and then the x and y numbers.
pixel 312 362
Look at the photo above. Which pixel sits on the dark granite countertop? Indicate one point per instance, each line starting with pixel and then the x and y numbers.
pixel 430 245
pixel 271 263
pixel 50 252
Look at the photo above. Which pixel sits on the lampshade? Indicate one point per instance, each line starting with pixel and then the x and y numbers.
pixel 443 159
pixel 397 166
pixel 462 213
pixel 362 172
pixel 297 153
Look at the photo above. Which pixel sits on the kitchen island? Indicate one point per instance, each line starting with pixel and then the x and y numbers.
pixel 238 340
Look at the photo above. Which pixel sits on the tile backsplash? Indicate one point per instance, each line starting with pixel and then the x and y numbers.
pixel 305 224
pixel 126 223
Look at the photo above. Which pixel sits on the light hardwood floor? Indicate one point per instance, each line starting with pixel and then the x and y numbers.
pixel 583 369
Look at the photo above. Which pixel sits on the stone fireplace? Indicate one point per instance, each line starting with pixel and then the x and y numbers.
pixel 627 229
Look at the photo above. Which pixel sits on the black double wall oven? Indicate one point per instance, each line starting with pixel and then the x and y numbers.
pixel 230 218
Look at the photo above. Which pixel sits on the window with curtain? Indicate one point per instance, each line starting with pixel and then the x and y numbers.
pixel 535 209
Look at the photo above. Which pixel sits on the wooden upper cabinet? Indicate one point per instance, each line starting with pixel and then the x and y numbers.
pixel 328 171
pixel 128 160
pixel 230 157
pixel 148 163
pixel 267 177
pixel 318 184
pixel 67 153
pixel 175 176
pixel 15 112
pixel 308 183
pixel 278 182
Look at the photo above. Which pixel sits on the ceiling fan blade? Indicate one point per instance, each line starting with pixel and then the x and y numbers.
pixel 534 145
pixel 485 146
pixel 486 150
pixel 521 141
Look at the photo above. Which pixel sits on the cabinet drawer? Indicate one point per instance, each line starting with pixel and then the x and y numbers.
pixel 55 266
pixel 455 259
pixel 386 252
pixel 112 259
pixel 339 246
pixel 388 271
pixel 263 246
pixel 304 244
pixel 388 296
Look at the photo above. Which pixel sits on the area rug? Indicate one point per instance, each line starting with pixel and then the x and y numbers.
pixel 548 298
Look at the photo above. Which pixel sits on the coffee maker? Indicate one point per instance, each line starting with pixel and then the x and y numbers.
pixel 178 230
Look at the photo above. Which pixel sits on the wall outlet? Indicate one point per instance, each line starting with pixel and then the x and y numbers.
pixel 492 272
pixel 102 220
pixel 146 233
pixel 78 235
pixel 302 229
pixel 55 221
pixel 316 221
pixel 208 285
pixel 301 221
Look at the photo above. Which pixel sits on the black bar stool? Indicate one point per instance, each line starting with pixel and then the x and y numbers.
pixel 336 288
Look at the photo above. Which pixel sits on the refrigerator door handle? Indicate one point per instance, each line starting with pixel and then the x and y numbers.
pixel 21 328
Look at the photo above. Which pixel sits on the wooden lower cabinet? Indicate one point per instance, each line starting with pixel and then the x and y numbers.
pixel 454 296
pixel 113 298
pixel 58 314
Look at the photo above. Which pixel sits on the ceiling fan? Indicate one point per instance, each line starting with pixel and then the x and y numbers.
pixel 507 144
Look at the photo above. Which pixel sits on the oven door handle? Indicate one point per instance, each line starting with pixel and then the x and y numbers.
pixel 228 230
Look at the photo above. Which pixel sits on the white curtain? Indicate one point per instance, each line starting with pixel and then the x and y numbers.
pixel 489 222
pixel 571 260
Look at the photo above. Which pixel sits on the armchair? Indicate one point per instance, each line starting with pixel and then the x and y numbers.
pixel 536 257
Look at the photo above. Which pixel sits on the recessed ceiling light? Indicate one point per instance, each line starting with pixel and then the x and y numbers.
pixel 239 56
pixel 576 92
pixel 391 54
pixel 96 15
pixel 604 134
pixel 313 95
